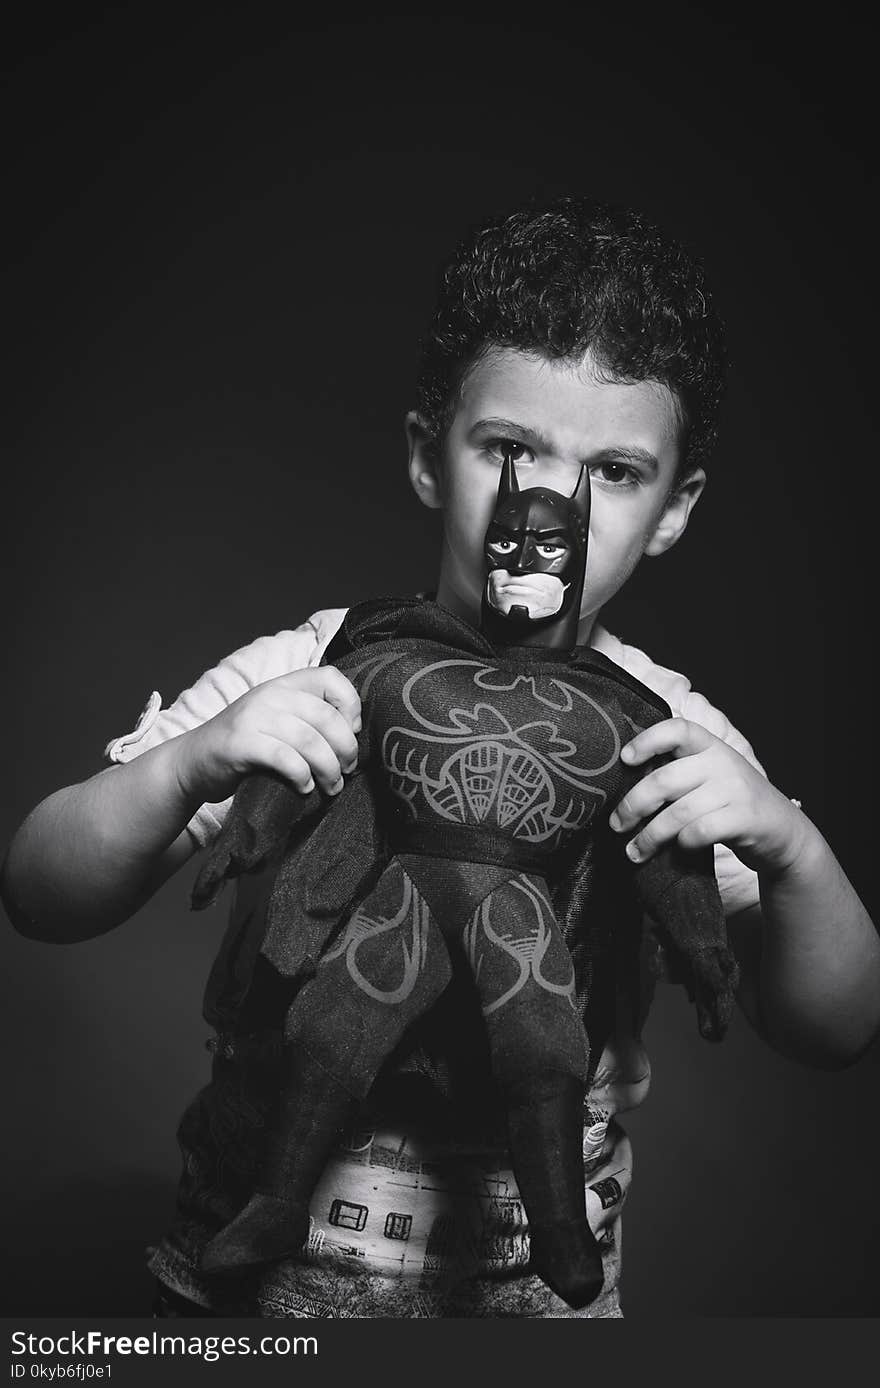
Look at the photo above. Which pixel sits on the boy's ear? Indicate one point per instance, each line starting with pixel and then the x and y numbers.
pixel 676 513
pixel 424 462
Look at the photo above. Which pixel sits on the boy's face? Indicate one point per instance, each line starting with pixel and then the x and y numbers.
pixel 555 416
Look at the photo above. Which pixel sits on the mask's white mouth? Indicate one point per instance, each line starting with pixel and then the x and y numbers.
pixel 540 594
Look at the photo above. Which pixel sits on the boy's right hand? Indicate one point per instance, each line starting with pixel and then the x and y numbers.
pixel 302 725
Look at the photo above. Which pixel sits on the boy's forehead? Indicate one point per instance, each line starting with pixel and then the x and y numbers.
pixel 569 404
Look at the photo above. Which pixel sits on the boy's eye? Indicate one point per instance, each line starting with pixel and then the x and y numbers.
pixel 502 546
pixel 502 449
pixel 551 551
pixel 618 474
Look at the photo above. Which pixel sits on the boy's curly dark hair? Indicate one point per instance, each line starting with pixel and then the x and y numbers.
pixel 574 274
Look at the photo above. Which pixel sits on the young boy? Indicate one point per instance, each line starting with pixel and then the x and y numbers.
pixel 564 335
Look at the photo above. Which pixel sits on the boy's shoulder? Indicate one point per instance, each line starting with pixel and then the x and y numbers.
pixel 265 658
pixel 675 689
pixel 637 699
pixel 671 686
pixel 292 648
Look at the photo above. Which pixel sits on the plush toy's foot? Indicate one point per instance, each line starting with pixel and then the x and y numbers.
pixel 267 1228
pixel 567 1257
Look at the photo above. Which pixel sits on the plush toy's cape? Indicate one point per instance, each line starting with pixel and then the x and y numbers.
pixel 311 859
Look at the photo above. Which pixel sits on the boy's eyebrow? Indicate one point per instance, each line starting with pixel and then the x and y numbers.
pixel 523 433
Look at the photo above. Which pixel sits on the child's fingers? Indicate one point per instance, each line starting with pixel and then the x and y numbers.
pixel 336 689
pixel 326 719
pixel 323 682
pixel 311 744
pixel 677 821
pixel 271 754
pixel 677 736
pixel 668 782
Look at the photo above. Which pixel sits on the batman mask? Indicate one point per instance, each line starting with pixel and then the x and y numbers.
pixel 536 558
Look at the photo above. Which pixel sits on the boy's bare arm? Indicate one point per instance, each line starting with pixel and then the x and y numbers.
pixel 810 954
pixel 92 854
pixel 811 961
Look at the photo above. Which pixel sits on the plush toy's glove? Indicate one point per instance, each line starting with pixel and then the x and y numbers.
pixel 263 815
pixel 678 890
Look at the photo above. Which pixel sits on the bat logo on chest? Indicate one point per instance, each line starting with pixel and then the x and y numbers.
pixel 519 753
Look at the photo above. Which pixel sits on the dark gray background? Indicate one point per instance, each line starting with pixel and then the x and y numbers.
pixel 222 240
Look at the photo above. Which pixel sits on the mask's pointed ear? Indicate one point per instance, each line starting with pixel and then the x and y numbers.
pixel 508 485
pixel 581 496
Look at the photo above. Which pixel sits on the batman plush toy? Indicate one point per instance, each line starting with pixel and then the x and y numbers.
pixel 489 765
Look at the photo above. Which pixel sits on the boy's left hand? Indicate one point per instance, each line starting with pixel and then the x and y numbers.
pixel 706 794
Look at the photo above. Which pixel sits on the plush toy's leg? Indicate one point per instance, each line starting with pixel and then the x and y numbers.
pixel 545 1124
pixel 387 968
pixel 315 1107
pixel 540 1054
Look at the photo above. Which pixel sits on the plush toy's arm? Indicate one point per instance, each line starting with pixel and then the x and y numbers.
pixel 678 891
pixel 321 877
pixel 262 818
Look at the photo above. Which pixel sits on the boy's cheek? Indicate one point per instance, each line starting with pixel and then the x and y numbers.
pixel 465 527
pixel 469 487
